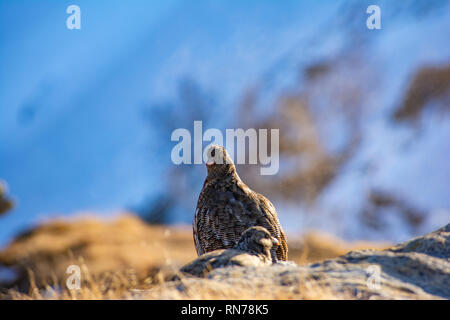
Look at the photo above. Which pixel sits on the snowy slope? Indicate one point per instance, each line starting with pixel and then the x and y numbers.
pixel 72 135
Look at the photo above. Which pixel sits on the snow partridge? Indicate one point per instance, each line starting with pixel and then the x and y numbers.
pixel 226 208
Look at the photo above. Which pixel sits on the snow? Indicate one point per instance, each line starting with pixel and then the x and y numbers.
pixel 84 145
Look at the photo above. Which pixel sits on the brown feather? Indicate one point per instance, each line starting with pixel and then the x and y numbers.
pixel 227 207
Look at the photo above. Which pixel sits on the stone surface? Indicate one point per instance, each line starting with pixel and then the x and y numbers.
pixel 417 269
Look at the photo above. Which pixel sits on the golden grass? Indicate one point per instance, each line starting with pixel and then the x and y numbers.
pixel 117 286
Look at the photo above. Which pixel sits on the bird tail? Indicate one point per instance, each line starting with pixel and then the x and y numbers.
pixel 282 249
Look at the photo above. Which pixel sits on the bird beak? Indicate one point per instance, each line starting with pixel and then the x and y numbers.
pixel 209 164
pixel 275 241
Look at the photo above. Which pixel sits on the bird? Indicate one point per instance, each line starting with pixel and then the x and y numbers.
pixel 226 207
pixel 252 249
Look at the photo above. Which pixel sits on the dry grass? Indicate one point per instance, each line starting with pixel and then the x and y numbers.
pixel 200 289
pixel 128 259
pixel 122 286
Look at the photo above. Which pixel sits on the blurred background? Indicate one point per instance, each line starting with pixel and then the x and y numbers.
pixel 364 115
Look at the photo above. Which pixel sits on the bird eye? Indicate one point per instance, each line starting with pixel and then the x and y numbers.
pixel 213 153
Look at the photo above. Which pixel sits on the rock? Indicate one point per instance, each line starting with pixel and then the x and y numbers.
pixel 416 269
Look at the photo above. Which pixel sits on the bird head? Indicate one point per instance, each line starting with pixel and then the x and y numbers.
pixel 257 240
pixel 219 162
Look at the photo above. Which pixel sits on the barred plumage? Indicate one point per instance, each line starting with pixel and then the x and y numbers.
pixel 227 207
pixel 252 249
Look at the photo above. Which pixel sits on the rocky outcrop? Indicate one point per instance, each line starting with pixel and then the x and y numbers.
pixel 125 258
pixel 417 269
